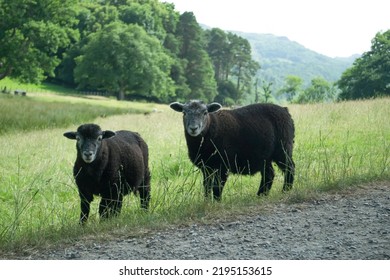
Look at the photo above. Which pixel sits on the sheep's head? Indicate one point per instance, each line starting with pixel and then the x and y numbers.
pixel 89 138
pixel 195 115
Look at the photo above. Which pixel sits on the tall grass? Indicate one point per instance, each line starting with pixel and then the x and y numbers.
pixel 343 143
pixel 48 111
pixel 336 145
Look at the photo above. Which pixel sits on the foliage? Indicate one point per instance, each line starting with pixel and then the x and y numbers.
pixel 232 59
pixel 291 88
pixel 198 69
pixel 168 60
pixel 320 90
pixel 123 58
pixel 31 35
pixel 369 76
pixel 267 91
pixel 227 93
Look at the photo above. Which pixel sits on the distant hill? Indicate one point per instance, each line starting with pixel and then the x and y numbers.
pixel 279 57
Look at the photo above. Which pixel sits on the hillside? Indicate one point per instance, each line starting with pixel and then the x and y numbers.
pixel 279 57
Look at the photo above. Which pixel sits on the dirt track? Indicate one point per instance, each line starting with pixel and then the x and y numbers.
pixel 338 226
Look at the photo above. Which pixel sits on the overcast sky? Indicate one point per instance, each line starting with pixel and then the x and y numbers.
pixel 330 27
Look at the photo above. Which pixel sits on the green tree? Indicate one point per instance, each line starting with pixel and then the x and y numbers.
pixel 320 90
pixel 31 35
pixel 369 76
pixel 197 65
pixel 292 87
pixel 232 60
pixel 91 17
pixel 152 15
pixel 267 90
pixel 218 48
pixel 124 59
pixel 244 68
pixel 227 93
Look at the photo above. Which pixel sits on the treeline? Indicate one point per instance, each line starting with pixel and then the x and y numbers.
pixel 144 49
pixel 134 49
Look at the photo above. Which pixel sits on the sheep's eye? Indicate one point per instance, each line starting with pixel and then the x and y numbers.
pixel 204 113
pixel 100 138
pixel 77 138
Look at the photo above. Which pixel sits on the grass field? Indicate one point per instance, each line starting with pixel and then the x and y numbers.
pixel 336 145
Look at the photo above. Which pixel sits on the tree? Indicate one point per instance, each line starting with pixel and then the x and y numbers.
pixel 369 75
pixel 244 68
pixel 91 17
pixel 227 93
pixel 232 60
pixel 31 35
pixel 217 48
pixel 320 90
pixel 197 65
pixel 124 59
pixel 267 90
pixel 292 87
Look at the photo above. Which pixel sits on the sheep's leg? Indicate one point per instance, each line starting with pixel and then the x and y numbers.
pixel 144 193
pixel 110 206
pixel 144 190
pixel 214 180
pixel 267 177
pixel 207 182
pixel 218 184
pixel 288 170
pixel 287 165
pixel 104 208
pixel 86 200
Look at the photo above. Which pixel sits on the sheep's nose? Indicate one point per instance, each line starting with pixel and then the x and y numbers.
pixel 88 153
pixel 193 129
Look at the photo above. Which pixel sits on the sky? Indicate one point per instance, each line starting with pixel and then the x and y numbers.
pixel 336 28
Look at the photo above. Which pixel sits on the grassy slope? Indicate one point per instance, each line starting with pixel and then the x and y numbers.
pixel 336 145
pixel 47 110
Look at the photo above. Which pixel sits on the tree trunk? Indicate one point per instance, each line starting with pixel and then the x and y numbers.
pixel 6 73
pixel 121 94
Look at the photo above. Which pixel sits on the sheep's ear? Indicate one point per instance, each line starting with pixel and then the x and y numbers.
pixel 213 107
pixel 178 107
pixel 108 134
pixel 70 135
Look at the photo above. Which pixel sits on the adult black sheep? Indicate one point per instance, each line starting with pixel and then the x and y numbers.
pixel 109 164
pixel 241 141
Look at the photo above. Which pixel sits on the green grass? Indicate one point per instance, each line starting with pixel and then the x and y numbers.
pixel 336 145
pixel 44 111
pixel 12 85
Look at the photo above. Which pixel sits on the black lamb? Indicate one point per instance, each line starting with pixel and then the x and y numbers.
pixel 111 165
pixel 241 141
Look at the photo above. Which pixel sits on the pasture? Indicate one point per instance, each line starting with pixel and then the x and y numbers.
pixel 336 145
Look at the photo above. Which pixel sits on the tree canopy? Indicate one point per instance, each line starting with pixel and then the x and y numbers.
pixel 124 59
pixel 145 49
pixel 369 76
pixel 31 35
pixel 320 90
pixel 129 48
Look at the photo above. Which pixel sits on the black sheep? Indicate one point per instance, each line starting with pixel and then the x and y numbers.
pixel 241 141
pixel 111 165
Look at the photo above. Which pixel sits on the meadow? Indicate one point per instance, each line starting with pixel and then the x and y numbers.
pixel 337 146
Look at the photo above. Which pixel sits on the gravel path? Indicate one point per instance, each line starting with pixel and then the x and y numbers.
pixel 338 226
